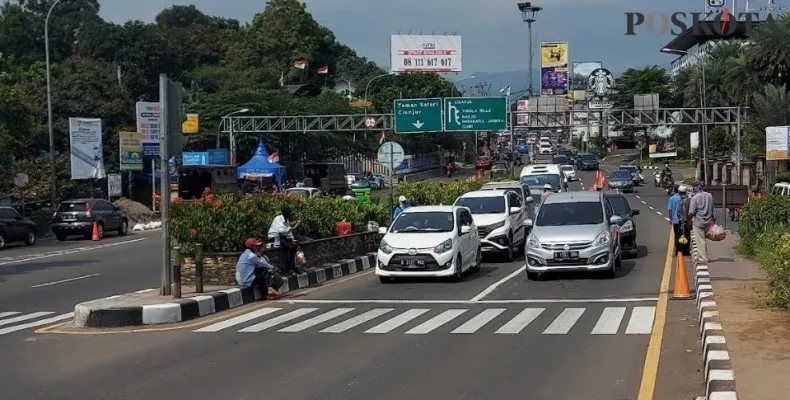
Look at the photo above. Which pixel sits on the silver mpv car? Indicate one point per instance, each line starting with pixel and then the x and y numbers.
pixel 573 231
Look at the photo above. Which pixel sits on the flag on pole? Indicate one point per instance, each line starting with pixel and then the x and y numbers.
pixel 381 138
pixel 323 70
pixel 274 157
pixel 505 90
pixel 301 64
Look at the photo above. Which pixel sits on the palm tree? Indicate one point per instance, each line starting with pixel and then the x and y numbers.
pixel 769 51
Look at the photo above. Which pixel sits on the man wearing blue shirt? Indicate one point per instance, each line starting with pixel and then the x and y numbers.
pixel 254 270
pixel 672 207
pixel 402 205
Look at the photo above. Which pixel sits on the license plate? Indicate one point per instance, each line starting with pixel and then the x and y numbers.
pixel 412 263
pixel 565 255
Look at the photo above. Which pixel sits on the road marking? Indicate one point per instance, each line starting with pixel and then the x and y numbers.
pixel 564 322
pixel 650 371
pixel 64 280
pixel 358 320
pixel 644 202
pixel 238 320
pixel 25 317
pixel 641 321
pixel 34 324
pixel 8 313
pixel 474 324
pixel 435 322
pixel 69 251
pixel 668 220
pixel 659 213
pixel 637 196
pixel 320 319
pixel 610 321
pixel 396 322
pixel 523 301
pixel 496 284
pixel 145 291
pixel 279 320
pixel 520 321
pixel 651 207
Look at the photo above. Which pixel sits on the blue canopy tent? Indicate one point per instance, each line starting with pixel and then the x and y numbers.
pixel 260 166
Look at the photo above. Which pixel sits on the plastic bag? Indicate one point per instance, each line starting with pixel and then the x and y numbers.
pixel 716 233
pixel 301 259
pixel 373 226
pixel 343 228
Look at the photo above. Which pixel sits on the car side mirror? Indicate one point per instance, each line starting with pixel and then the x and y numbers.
pixel 383 230
pixel 465 229
pixel 515 210
pixel 530 199
pixel 528 222
pixel 634 212
pixel 615 219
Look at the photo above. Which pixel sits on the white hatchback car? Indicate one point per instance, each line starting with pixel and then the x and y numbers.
pixel 569 171
pixel 429 241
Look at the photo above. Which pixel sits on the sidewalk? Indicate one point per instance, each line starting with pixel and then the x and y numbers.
pixel 758 339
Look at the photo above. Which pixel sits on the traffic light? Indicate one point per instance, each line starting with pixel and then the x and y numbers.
pixel 175 117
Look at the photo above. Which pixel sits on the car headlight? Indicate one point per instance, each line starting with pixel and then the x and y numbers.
pixel 627 227
pixel 385 247
pixel 532 241
pixel 495 226
pixel 603 238
pixel 444 247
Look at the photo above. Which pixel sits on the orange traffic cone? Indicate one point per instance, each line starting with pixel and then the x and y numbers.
pixel 95 237
pixel 682 291
pixel 600 180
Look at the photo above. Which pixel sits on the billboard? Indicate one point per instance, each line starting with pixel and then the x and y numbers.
pixel 87 153
pixel 131 151
pixel 149 125
pixel 777 142
pixel 425 53
pixel 580 72
pixel 554 68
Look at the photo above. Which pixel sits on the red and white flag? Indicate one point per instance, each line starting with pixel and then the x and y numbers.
pixel 323 70
pixel 381 138
pixel 301 64
pixel 274 157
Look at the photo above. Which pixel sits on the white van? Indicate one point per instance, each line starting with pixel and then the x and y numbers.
pixel 537 176
pixel 781 189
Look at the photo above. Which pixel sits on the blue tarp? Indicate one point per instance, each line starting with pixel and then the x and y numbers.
pixel 259 164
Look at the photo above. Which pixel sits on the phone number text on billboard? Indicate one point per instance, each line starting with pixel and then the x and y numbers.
pixel 425 53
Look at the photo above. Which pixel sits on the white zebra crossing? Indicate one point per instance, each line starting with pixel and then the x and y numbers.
pixel 564 321
pixel 14 321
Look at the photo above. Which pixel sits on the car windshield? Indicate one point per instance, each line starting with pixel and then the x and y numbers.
pixel 297 192
pixel 423 222
pixel 483 205
pixel 540 180
pixel 560 159
pixel 567 168
pixel 620 174
pixel 631 168
pixel 619 205
pixel 362 183
pixel 588 157
pixel 566 214
pixel 71 207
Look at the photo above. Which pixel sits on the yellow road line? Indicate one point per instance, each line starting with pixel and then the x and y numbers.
pixel 53 329
pixel 650 371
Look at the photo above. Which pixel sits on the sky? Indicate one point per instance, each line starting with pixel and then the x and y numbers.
pixel 494 36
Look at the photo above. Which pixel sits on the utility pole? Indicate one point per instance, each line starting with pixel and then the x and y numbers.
pixel 528 12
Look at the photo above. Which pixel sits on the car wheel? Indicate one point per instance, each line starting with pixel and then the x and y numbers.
pixel 31 238
pixel 2 241
pixel 61 237
pixel 618 262
pixel 478 261
pixel 533 276
pixel 459 269
pixel 124 228
pixel 612 271
pixel 385 279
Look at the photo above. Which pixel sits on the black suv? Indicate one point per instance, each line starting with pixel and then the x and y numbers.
pixel 586 162
pixel 627 223
pixel 15 228
pixel 76 217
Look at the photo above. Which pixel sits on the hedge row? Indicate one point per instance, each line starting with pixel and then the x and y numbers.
pixel 764 228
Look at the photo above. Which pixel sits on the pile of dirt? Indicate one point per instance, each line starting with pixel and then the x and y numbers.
pixel 137 212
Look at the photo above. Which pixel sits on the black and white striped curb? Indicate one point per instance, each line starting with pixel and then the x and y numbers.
pixel 106 313
pixel 719 374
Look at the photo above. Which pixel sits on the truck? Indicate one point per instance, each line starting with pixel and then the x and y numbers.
pixel 329 177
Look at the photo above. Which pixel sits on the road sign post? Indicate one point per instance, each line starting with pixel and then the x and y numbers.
pixel 418 115
pixel 392 155
pixel 475 114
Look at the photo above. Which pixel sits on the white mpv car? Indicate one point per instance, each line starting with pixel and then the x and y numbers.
pixel 429 241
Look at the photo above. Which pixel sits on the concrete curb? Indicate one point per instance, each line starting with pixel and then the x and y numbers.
pixel 87 315
pixel 717 366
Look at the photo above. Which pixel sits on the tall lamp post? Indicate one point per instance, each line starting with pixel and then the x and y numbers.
pixel 231 137
pixel 702 102
pixel 454 88
pixel 368 87
pixel 528 12
pixel 52 169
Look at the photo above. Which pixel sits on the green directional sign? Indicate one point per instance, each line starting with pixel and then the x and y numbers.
pixel 475 113
pixel 418 115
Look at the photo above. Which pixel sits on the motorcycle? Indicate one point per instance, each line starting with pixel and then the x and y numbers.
pixel 449 169
pixel 657 179
pixel 669 184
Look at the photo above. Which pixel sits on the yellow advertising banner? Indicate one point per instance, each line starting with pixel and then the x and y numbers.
pixel 554 68
pixel 191 125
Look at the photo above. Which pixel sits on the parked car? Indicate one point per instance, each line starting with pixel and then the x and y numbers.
pixel 623 209
pixel 574 231
pixel 429 241
pixel 76 217
pixel 15 228
pixel 304 191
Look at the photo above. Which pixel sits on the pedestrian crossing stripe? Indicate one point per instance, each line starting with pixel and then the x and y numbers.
pixel 14 321
pixel 462 321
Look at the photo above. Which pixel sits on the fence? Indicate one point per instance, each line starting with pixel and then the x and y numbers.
pixel 358 163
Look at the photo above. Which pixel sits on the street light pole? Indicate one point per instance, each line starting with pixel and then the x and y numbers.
pixel 368 87
pixel 528 12
pixel 52 169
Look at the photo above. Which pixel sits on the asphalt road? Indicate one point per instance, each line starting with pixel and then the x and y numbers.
pixel 495 335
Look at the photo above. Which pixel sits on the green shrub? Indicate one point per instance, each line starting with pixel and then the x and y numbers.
pixel 783 177
pixel 222 224
pixel 758 217
pixel 435 193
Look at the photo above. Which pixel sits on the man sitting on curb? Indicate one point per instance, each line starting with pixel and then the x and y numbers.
pixel 254 270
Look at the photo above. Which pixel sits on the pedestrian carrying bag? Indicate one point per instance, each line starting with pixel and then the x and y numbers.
pixel 715 232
